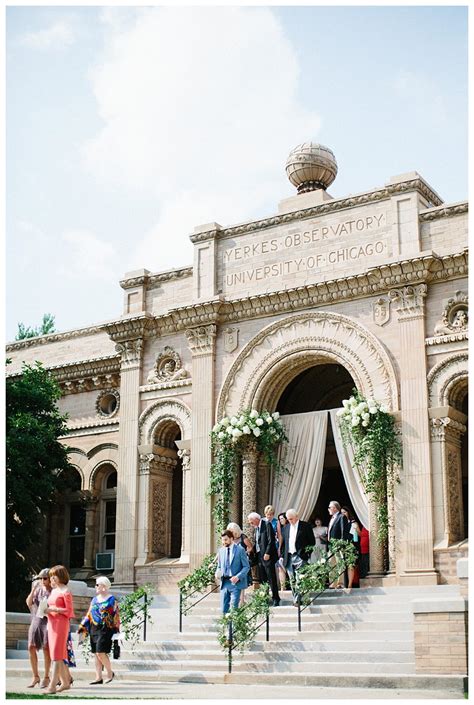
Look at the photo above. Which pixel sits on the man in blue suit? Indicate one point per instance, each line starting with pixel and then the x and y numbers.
pixel 232 569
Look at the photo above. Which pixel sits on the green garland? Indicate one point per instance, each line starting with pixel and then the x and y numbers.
pixel 198 581
pixel 367 426
pixel 230 438
pixel 315 577
pixel 131 607
pixel 244 619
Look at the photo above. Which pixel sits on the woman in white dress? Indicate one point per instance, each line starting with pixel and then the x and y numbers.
pixel 321 538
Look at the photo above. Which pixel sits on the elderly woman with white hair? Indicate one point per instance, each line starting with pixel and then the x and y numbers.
pixel 101 622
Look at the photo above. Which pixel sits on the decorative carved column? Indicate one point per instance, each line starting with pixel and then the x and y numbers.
pixel 145 514
pixel 161 494
pixel 446 431
pixel 185 455
pixel 249 484
pixel 415 511
pixel 376 557
pixel 201 341
pixel 128 335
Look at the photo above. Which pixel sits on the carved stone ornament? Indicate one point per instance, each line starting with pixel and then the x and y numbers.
pixel 381 311
pixel 130 351
pixel 185 455
pixel 409 300
pixel 167 368
pixel 455 316
pixel 201 339
pixel 231 339
pixel 107 403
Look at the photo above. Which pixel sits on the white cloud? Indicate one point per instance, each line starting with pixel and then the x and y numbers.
pixel 88 257
pixel 200 109
pixel 58 36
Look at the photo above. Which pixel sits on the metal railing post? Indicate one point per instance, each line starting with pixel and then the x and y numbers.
pixel 229 643
pixel 180 610
pixel 299 616
pixel 145 612
pixel 267 635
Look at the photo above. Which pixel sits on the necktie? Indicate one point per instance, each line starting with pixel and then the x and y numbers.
pixel 227 563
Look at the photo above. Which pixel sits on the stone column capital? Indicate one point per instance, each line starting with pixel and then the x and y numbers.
pixel 185 455
pixel 409 301
pixel 130 352
pixel 201 340
pixel 447 429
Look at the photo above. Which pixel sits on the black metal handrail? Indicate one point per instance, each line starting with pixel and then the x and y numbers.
pixel 184 612
pixel 308 604
pixel 231 645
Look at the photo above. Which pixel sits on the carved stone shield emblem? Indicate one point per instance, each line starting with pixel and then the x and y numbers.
pixel 231 339
pixel 381 311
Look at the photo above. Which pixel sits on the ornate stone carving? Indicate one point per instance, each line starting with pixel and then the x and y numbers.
pixel 167 368
pixel 53 338
pixel 108 403
pixel 444 375
pixel 231 339
pixel 443 212
pixel 145 463
pixel 162 410
pixel 455 316
pixel 381 311
pixel 185 456
pixel 130 328
pixel 249 483
pixel 409 301
pixel 284 348
pixel 454 494
pixel 130 351
pixel 201 339
pixel 159 518
pixel 445 428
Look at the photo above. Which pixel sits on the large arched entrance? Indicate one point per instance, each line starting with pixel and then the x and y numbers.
pixel 322 387
pixel 167 496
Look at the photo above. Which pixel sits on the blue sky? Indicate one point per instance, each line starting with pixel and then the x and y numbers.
pixel 126 127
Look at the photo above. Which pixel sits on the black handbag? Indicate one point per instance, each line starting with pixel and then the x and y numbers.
pixel 116 649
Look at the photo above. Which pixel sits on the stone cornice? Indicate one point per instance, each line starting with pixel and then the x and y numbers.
pixel 91 423
pixel 153 279
pixel 327 207
pixel 54 338
pixel 95 366
pixel 451 338
pixel 172 384
pixel 424 269
pixel 131 327
pixel 443 211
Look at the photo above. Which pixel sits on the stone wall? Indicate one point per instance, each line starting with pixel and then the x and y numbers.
pixel 445 561
pixel 441 635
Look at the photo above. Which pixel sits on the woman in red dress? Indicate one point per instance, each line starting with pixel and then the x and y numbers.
pixel 60 611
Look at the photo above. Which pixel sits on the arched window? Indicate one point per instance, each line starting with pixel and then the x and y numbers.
pixel 75 517
pixel 108 510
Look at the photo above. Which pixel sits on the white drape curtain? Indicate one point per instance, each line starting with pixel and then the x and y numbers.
pixel 303 455
pixel 350 473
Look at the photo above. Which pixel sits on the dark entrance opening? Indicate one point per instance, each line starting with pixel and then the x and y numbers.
pixel 465 467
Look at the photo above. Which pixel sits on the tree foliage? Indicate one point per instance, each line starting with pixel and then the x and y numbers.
pixel 47 326
pixel 34 459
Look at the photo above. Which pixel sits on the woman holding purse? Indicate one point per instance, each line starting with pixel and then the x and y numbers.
pixel 101 622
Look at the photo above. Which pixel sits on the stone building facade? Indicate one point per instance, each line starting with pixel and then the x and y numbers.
pixel 285 313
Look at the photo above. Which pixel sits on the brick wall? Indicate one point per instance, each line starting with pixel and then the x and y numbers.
pixel 445 561
pixel 16 627
pixel 441 636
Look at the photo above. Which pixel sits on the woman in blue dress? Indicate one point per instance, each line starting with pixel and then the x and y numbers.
pixel 101 622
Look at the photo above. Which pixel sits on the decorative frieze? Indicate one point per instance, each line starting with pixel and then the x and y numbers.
pixel 152 280
pixel 201 339
pixel 53 338
pixel 409 301
pixel 443 212
pixel 129 328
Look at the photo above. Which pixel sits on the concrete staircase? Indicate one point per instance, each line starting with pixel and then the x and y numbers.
pixel 360 640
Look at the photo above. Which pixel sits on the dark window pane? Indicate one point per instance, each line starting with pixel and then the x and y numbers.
pixel 110 542
pixel 77 520
pixel 111 481
pixel 76 552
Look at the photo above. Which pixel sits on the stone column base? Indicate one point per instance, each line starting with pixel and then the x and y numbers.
pixel 418 577
pixel 378 581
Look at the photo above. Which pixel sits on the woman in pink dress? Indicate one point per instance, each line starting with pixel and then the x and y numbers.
pixel 60 610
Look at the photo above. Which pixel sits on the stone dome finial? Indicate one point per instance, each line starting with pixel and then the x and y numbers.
pixel 311 166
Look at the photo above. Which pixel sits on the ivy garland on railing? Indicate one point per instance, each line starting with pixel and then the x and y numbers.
pixel 315 577
pixel 230 438
pixel 244 619
pixel 367 426
pixel 133 609
pixel 198 581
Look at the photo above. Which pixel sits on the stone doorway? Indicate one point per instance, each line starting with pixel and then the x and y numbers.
pixel 167 492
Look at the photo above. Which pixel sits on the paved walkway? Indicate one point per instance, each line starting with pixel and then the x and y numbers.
pixel 196 691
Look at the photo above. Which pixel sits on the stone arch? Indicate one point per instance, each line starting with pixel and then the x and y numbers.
pixel 447 381
pixel 160 414
pixel 96 472
pixel 286 347
pixel 78 458
pixel 79 471
pixel 99 455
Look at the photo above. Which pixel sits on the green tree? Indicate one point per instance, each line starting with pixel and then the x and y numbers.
pixel 34 459
pixel 46 327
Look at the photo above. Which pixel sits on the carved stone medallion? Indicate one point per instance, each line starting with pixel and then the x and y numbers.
pixel 167 367
pixel 455 316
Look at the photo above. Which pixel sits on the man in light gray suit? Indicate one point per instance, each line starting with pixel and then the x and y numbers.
pixel 232 569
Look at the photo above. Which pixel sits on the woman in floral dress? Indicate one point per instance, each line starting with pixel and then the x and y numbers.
pixel 101 622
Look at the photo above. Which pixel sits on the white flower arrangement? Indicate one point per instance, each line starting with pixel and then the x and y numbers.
pixel 249 423
pixel 356 412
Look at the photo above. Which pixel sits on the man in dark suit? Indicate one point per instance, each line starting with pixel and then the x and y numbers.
pixel 338 528
pixel 297 536
pixel 265 548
